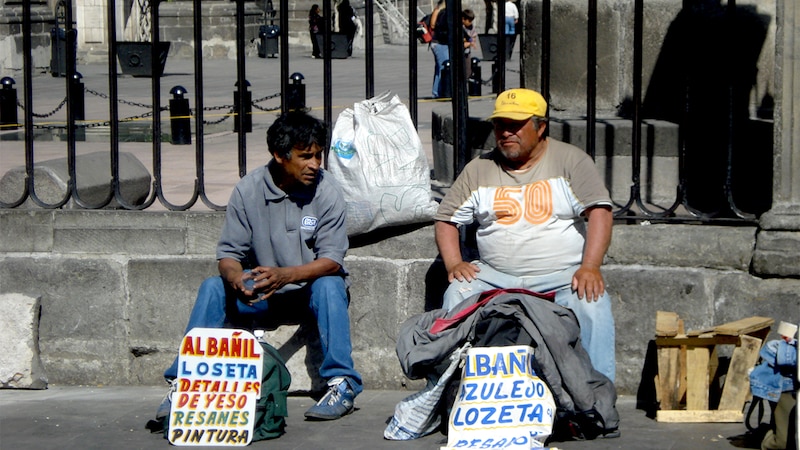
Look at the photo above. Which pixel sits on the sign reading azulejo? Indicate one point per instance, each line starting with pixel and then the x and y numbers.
pixel 502 402
pixel 219 383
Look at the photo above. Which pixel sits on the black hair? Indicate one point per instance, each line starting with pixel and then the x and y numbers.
pixel 295 129
pixel 468 14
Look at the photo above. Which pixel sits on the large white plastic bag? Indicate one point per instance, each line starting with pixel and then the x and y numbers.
pixel 377 157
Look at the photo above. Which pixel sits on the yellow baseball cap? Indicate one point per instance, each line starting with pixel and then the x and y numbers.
pixel 519 104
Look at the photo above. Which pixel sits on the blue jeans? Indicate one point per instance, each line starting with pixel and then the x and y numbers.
pixel 441 53
pixel 510 26
pixel 217 306
pixel 595 318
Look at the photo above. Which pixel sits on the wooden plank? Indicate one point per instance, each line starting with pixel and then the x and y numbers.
pixel 697 378
pixel 693 333
pixel 719 416
pixel 737 382
pixel 744 326
pixel 696 341
pixel 668 369
pixel 666 323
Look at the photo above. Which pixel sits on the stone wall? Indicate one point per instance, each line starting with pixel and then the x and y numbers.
pixel 116 289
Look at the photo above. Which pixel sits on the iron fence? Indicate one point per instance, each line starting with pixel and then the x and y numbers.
pixel 706 191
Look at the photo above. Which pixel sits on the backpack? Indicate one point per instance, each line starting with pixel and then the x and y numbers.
pixel 272 409
pixel 424 32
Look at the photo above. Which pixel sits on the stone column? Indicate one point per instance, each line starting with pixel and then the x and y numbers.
pixel 778 243
pixel 11 35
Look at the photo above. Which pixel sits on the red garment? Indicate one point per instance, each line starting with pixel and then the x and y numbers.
pixel 443 323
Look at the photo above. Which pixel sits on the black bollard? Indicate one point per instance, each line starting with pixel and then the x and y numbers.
pixel 76 97
pixel 179 114
pixel 495 79
pixel 8 105
pixel 475 81
pixel 247 120
pixel 296 97
pixel 444 81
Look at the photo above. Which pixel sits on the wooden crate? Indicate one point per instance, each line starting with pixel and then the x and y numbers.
pixel 687 363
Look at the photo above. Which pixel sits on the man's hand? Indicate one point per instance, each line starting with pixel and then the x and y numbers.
pixel 463 271
pixel 268 280
pixel 588 283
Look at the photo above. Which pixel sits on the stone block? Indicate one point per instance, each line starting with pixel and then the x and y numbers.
pixel 682 245
pixel 20 363
pixel 377 293
pixel 614 49
pixel 569 56
pixel 399 242
pixel 776 253
pixel 300 347
pixel 162 296
pixel 636 294
pixel 739 295
pixel 31 231
pixel 120 240
pixel 83 330
pixel 203 231
pixel 93 179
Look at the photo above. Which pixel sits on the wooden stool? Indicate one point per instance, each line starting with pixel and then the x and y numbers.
pixel 688 362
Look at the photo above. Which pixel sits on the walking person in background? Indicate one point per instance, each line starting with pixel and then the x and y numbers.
pixel 512 17
pixel 315 26
pixel 441 52
pixel 347 23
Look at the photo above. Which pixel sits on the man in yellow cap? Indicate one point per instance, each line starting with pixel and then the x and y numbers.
pixel 531 197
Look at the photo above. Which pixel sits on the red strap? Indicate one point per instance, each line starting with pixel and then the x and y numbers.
pixel 442 324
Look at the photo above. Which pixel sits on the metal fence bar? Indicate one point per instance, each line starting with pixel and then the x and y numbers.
pixel 591 79
pixel 412 61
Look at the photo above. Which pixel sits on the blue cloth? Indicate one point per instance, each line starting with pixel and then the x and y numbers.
pixel 441 54
pixel 327 298
pixel 595 318
pixel 776 373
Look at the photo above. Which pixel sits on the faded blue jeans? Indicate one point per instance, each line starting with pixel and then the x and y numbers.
pixel 326 297
pixel 441 54
pixel 595 318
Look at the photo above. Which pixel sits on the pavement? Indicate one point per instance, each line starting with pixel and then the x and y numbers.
pixel 113 417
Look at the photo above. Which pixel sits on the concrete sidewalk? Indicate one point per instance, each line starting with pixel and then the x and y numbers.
pixel 114 417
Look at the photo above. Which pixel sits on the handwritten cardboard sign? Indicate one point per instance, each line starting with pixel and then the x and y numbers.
pixel 219 382
pixel 502 402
